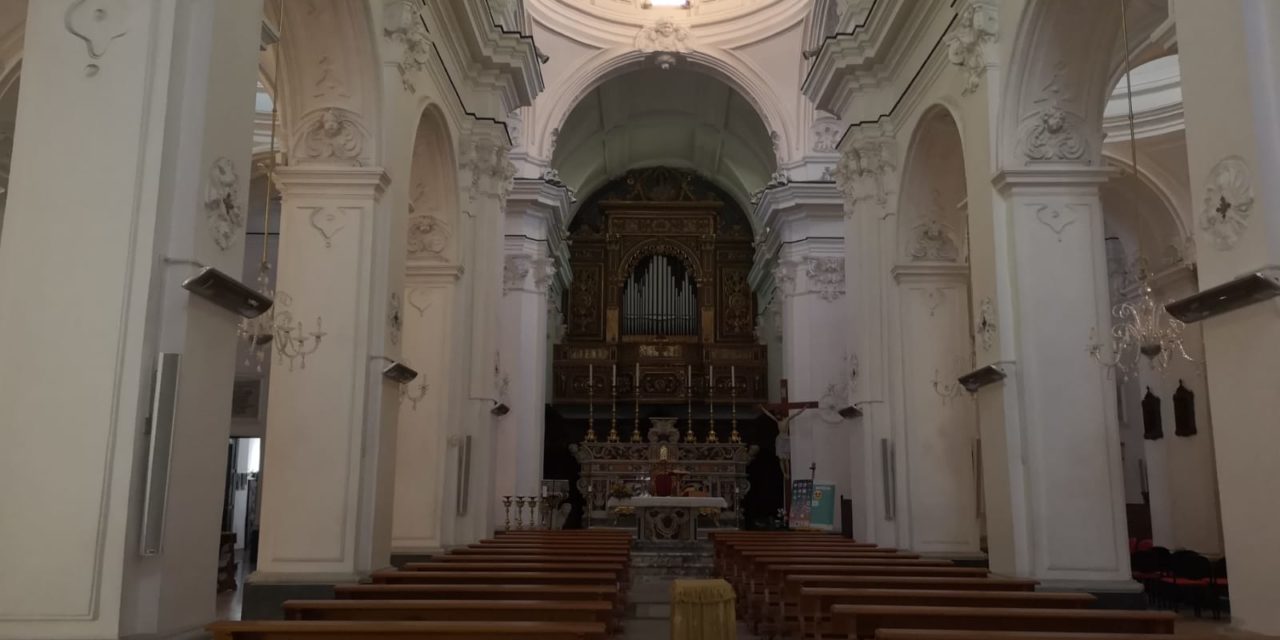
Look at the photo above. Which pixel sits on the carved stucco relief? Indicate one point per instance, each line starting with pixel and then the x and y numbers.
pixel 222 203
pixel 1228 202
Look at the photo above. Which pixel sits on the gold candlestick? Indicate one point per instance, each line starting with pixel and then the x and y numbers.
pixel 635 426
pixel 591 406
pixel 689 435
pixel 712 438
pixel 613 410
pixel 506 503
pixel 734 436
pixel 519 512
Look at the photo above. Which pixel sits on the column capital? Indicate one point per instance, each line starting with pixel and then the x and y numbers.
pixel 333 180
pixel 1051 177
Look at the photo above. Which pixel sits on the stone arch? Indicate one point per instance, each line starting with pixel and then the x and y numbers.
pixel 932 221
pixel 1057 84
pixel 721 64
pixel 433 190
pixel 330 86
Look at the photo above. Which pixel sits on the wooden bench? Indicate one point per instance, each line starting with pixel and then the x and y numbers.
pixel 475 610
pixel 862 621
pixel 957 634
pixel 775 578
pixel 608 593
pixel 815 602
pixel 494 577
pixel 401 630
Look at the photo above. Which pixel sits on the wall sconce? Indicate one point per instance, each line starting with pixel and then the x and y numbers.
pixel 981 377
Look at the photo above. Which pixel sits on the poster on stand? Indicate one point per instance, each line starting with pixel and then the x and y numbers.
pixel 801 503
pixel 822 507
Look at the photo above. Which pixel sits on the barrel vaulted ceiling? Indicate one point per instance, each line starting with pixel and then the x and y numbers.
pixel 674 117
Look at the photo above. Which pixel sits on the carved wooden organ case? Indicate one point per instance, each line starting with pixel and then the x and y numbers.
pixel 660 261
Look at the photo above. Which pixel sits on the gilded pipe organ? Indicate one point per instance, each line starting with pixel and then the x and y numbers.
pixel 660 260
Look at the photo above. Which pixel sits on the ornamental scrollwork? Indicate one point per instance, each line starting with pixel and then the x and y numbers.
pixel 976 27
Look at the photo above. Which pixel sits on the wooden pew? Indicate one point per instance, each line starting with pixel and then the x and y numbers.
pixel 402 630
pixel 494 577
pixel 601 592
pixel 618 567
pixel 955 634
pixel 815 602
pixel 774 577
pixel 862 621
pixel 475 610
pixel 556 550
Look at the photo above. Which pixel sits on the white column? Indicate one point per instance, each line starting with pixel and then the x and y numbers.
pixel 534 247
pixel 811 276
pixel 327 468
pixel 150 96
pixel 935 427
pixel 1065 480
pixel 1229 49
pixel 487 181
pixel 429 297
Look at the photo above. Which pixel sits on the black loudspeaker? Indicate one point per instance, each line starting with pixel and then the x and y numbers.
pixel 1256 286
pixel 227 292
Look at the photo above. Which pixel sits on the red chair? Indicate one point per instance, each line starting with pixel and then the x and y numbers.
pixel 1188 581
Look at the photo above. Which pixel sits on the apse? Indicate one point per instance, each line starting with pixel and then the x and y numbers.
pixel 681 118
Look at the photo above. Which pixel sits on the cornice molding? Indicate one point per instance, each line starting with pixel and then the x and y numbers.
pixel 333 180
pixel 1051 177
pixel 930 272
pixel 603 30
pixel 871 62
pixel 485 59
pixel 432 273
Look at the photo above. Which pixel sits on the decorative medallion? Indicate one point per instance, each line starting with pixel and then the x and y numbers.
pixel 98 23
pixel 826 135
pixel 825 276
pixel 985 331
pixel 864 172
pixel 334 135
pixel 221 203
pixel 1050 132
pixel 327 223
pixel 932 241
pixel 515 268
pixel 1228 202
pixel 664 35
pixel 976 27
pixel 420 300
pixel 428 237
pixel 395 318
pixel 1055 218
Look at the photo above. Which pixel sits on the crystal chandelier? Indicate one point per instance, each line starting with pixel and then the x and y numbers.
pixel 1141 327
pixel 292 341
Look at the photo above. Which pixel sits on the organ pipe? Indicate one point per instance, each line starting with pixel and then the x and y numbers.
pixel 659 298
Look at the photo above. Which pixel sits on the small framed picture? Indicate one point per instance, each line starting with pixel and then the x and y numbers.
pixel 246 399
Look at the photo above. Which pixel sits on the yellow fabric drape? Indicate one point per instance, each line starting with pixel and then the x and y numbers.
pixel 702 610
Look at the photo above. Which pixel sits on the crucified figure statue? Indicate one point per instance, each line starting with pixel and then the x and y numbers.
pixel 781 414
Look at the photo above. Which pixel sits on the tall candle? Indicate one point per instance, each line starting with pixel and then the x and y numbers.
pixel 636 383
pixel 615 374
pixel 688 376
pixel 733 375
pixel 711 378
pixel 591 375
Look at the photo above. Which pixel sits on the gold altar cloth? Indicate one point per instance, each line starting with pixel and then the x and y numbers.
pixel 702 610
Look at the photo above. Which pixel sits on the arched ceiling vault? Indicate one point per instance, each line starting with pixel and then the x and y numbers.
pixel 673 117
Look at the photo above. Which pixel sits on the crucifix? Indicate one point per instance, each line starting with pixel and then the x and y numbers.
pixel 781 414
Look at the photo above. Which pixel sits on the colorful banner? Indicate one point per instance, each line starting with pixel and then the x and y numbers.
pixel 801 503
pixel 822 507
